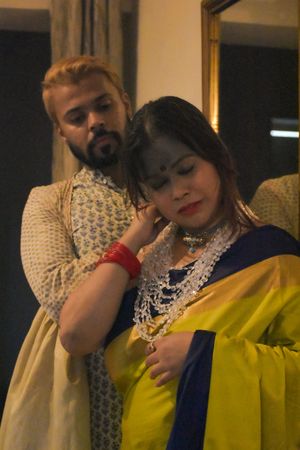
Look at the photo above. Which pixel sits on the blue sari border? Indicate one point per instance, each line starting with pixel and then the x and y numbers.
pixel 192 396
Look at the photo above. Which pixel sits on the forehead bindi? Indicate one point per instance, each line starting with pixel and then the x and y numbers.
pixel 164 155
pixel 153 169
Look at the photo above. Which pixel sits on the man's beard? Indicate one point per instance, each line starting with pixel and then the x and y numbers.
pixel 107 157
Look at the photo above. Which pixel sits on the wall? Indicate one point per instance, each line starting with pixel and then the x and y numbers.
pixel 169 50
pixel 25 4
pixel 25 15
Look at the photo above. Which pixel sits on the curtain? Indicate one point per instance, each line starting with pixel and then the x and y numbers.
pixel 83 27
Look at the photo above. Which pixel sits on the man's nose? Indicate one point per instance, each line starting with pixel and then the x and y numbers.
pixel 96 121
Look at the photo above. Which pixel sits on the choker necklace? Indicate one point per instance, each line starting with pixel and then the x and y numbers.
pixel 200 239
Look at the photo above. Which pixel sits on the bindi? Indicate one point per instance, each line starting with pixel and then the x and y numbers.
pixel 162 168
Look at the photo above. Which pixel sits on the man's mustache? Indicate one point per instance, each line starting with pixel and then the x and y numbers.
pixel 100 132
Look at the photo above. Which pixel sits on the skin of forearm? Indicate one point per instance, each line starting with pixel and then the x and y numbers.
pixel 90 311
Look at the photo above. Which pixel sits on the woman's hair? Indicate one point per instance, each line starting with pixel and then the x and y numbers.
pixel 178 119
pixel 72 70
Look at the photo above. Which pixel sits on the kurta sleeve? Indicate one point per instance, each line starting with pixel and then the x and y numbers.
pixel 50 264
pixel 276 202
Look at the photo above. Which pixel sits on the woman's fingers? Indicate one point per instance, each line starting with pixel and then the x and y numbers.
pixel 161 224
pixel 165 378
pixel 150 348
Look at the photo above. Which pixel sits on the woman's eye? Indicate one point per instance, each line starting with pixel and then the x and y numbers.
pixel 157 185
pixel 185 170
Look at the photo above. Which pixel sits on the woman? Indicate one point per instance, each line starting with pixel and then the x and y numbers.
pixel 204 348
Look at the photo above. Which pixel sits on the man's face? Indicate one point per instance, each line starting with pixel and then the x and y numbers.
pixel 92 117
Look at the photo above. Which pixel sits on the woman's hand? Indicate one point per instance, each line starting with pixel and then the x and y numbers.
pixel 167 358
pixel 144 229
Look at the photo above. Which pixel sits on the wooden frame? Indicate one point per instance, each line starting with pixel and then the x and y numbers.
pixel 211 57
pixel 210 10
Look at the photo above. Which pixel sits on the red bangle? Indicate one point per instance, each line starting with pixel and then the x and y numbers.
pixel 120 254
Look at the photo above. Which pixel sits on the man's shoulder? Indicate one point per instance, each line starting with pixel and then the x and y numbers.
pixel 50 196
pixel 281 185
pixel 57 187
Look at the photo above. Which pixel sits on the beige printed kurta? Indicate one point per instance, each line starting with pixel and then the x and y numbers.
pixel 276 201
pixel 66 227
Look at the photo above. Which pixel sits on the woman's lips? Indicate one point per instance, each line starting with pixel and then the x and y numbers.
pixel 190 209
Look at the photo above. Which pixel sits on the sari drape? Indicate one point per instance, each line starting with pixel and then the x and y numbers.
pixel 240 385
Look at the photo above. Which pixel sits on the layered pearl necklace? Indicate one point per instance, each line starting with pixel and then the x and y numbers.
pixel 157 295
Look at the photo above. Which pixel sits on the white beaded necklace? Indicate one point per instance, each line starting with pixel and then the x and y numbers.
pixel 155 281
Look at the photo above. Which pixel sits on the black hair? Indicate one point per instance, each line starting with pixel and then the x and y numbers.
pixel 178 119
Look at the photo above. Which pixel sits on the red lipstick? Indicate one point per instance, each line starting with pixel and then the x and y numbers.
pixel 190 209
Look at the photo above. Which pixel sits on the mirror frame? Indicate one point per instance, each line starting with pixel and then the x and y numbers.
pixel 210 22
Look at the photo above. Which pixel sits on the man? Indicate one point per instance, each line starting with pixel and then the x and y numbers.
pixel 54 398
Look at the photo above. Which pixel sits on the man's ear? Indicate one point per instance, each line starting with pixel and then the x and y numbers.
pixel 127 103
pixel 60 132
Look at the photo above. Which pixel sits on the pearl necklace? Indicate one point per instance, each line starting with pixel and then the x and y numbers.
pixel 156 292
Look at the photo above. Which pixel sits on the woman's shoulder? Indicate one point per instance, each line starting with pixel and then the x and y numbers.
pixel 255 246
pixel 266 241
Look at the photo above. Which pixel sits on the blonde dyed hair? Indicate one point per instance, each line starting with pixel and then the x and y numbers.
pixel 72 70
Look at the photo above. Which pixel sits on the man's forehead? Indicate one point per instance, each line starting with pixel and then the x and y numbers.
pixel 96 83
pixel 69 97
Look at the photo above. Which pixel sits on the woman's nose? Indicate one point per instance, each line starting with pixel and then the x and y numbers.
pixel 179 190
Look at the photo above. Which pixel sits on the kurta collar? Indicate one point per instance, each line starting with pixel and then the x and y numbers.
pixel 92 176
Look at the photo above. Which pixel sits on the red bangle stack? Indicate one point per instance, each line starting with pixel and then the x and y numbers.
pixel 120 254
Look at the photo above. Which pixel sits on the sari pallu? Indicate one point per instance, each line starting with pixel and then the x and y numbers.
pixel 240 385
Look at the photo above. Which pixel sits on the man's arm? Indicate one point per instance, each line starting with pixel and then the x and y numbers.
pixel 270 206
pixel 51 266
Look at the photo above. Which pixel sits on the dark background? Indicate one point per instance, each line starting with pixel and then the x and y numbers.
pixel 25 145
pixel 256 85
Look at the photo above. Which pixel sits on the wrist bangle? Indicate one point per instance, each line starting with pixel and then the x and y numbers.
pixel 120 254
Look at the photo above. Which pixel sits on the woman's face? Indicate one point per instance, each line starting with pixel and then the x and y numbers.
pixel 184 187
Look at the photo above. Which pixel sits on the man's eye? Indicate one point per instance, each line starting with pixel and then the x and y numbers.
pixel 76 120
pixel 103 106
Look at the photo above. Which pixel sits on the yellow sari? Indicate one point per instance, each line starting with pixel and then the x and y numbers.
pixel 240 385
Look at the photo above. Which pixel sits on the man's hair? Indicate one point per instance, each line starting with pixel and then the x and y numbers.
pixel 72 70
pixel 178 119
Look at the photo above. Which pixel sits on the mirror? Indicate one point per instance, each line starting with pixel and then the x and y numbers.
pixel 250 86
